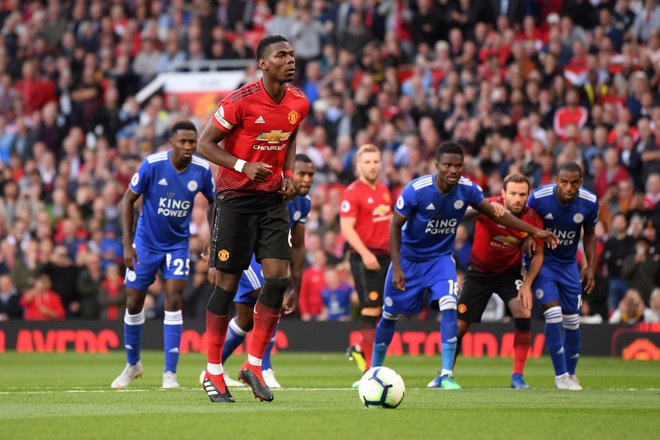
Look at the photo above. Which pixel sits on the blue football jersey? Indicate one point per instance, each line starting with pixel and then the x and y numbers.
pixel 565 221
pixel 168 197
pixel 299 209
pixel 433 217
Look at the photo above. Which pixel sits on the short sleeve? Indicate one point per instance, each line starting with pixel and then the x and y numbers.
pixel 209 186
pixel 226 116
pixel 141 178
pixel 405 204
pixel 592 218
pixel 306 207
pixel 476 195
pixel 350 204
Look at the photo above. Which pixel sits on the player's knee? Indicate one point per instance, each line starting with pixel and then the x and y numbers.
pixel 571 322
pixel 447 303
pixel 369 321
pixel 391 316
pixel 463 327
pixel 244 318
pixel 272 294
pixel 220 301
pixel 553 315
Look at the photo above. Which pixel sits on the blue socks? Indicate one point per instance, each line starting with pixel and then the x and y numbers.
pixel 133 336
pixel 449 337
pixel 571 341
pixel 553 339
pixel 383 338
pixel 172 329
pixel 235 337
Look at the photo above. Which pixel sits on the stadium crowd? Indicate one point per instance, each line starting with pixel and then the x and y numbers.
pixel 524 85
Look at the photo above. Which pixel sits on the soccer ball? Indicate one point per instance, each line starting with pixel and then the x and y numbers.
pixel 381 387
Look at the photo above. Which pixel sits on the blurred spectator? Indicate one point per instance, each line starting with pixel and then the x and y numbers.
pixel 617 248
pixel 640 269
pixel 647 19
pixel 88 285
pixel 630 310
pixel 112 294
pixel 10 297
pixel 63 273
pixel 612 174
pixel 310 303
pixel 41 303
pixel 652 313
pixel 338 297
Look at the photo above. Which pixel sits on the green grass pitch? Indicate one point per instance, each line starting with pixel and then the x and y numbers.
pixel 68 396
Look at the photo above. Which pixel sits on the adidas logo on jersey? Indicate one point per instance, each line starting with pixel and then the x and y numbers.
pixel 162 182
pixel 430 207
pixel 260 120
pixel 549 216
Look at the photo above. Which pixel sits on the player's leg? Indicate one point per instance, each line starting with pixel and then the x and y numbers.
pixel 136 283
pixel 546 292
pixel 571 305
pixel 395 303
pixel 442 279
pixel 172 329
pixel 273 251
pixel 522 336
pixel 232 244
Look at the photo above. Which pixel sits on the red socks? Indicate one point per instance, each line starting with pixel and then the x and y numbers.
pixel 521 342
pixel 367 344
pixel 216 331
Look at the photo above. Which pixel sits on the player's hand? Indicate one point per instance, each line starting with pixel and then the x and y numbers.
pixel 290 303
pixel 210 276
pixel 130 255
pixel 288 190
pixel 529 246
pixel 398 278
pixel 548 236
pixel 499 210
pixel 257 171
pixel 588 274
pixel 370 261
pixel 525 297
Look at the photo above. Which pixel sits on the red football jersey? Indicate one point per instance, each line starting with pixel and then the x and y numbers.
pixel 258 130
pixel 497 249
pixel 372 209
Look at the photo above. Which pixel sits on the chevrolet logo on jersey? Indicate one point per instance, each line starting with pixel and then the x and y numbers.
pixel 274 136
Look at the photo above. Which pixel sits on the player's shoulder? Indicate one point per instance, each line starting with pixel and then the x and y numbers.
pixel 587 195
pixel 244 91
pixel 543 191
pixel 531 215
pixel 353 187
pixel 421 182
pixel 154 158
pixel 200 163
pixel 295 92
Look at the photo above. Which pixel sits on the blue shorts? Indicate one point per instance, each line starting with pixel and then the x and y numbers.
pixel 438 275
pixel 251 280
pixel 174 265
pixel 561 282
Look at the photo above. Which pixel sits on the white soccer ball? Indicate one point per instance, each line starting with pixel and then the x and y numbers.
pixel 381 387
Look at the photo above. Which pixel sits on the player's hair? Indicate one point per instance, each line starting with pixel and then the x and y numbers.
pixel 366 148
pixel 516 178
pixel 449 147
pixel 300 157
pixel 267 41
pixel 182 125
pixel 571 167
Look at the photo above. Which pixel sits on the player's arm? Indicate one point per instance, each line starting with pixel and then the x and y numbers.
pixel 288 190
pixel 127 219
pixel 398 277
pixel 347 225
pixel 296 265
pixel 208 148
pixel 525 293
pixel 473 214
pixel 514 222
pixel 589 242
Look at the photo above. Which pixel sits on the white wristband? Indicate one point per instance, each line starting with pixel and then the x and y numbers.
pixel 238 166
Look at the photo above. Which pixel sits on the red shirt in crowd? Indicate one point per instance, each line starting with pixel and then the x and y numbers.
pixel 372 210
pixel 34 307
pixel 313 282
pixel 602 180
pixel 258 130
pixel 497 249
